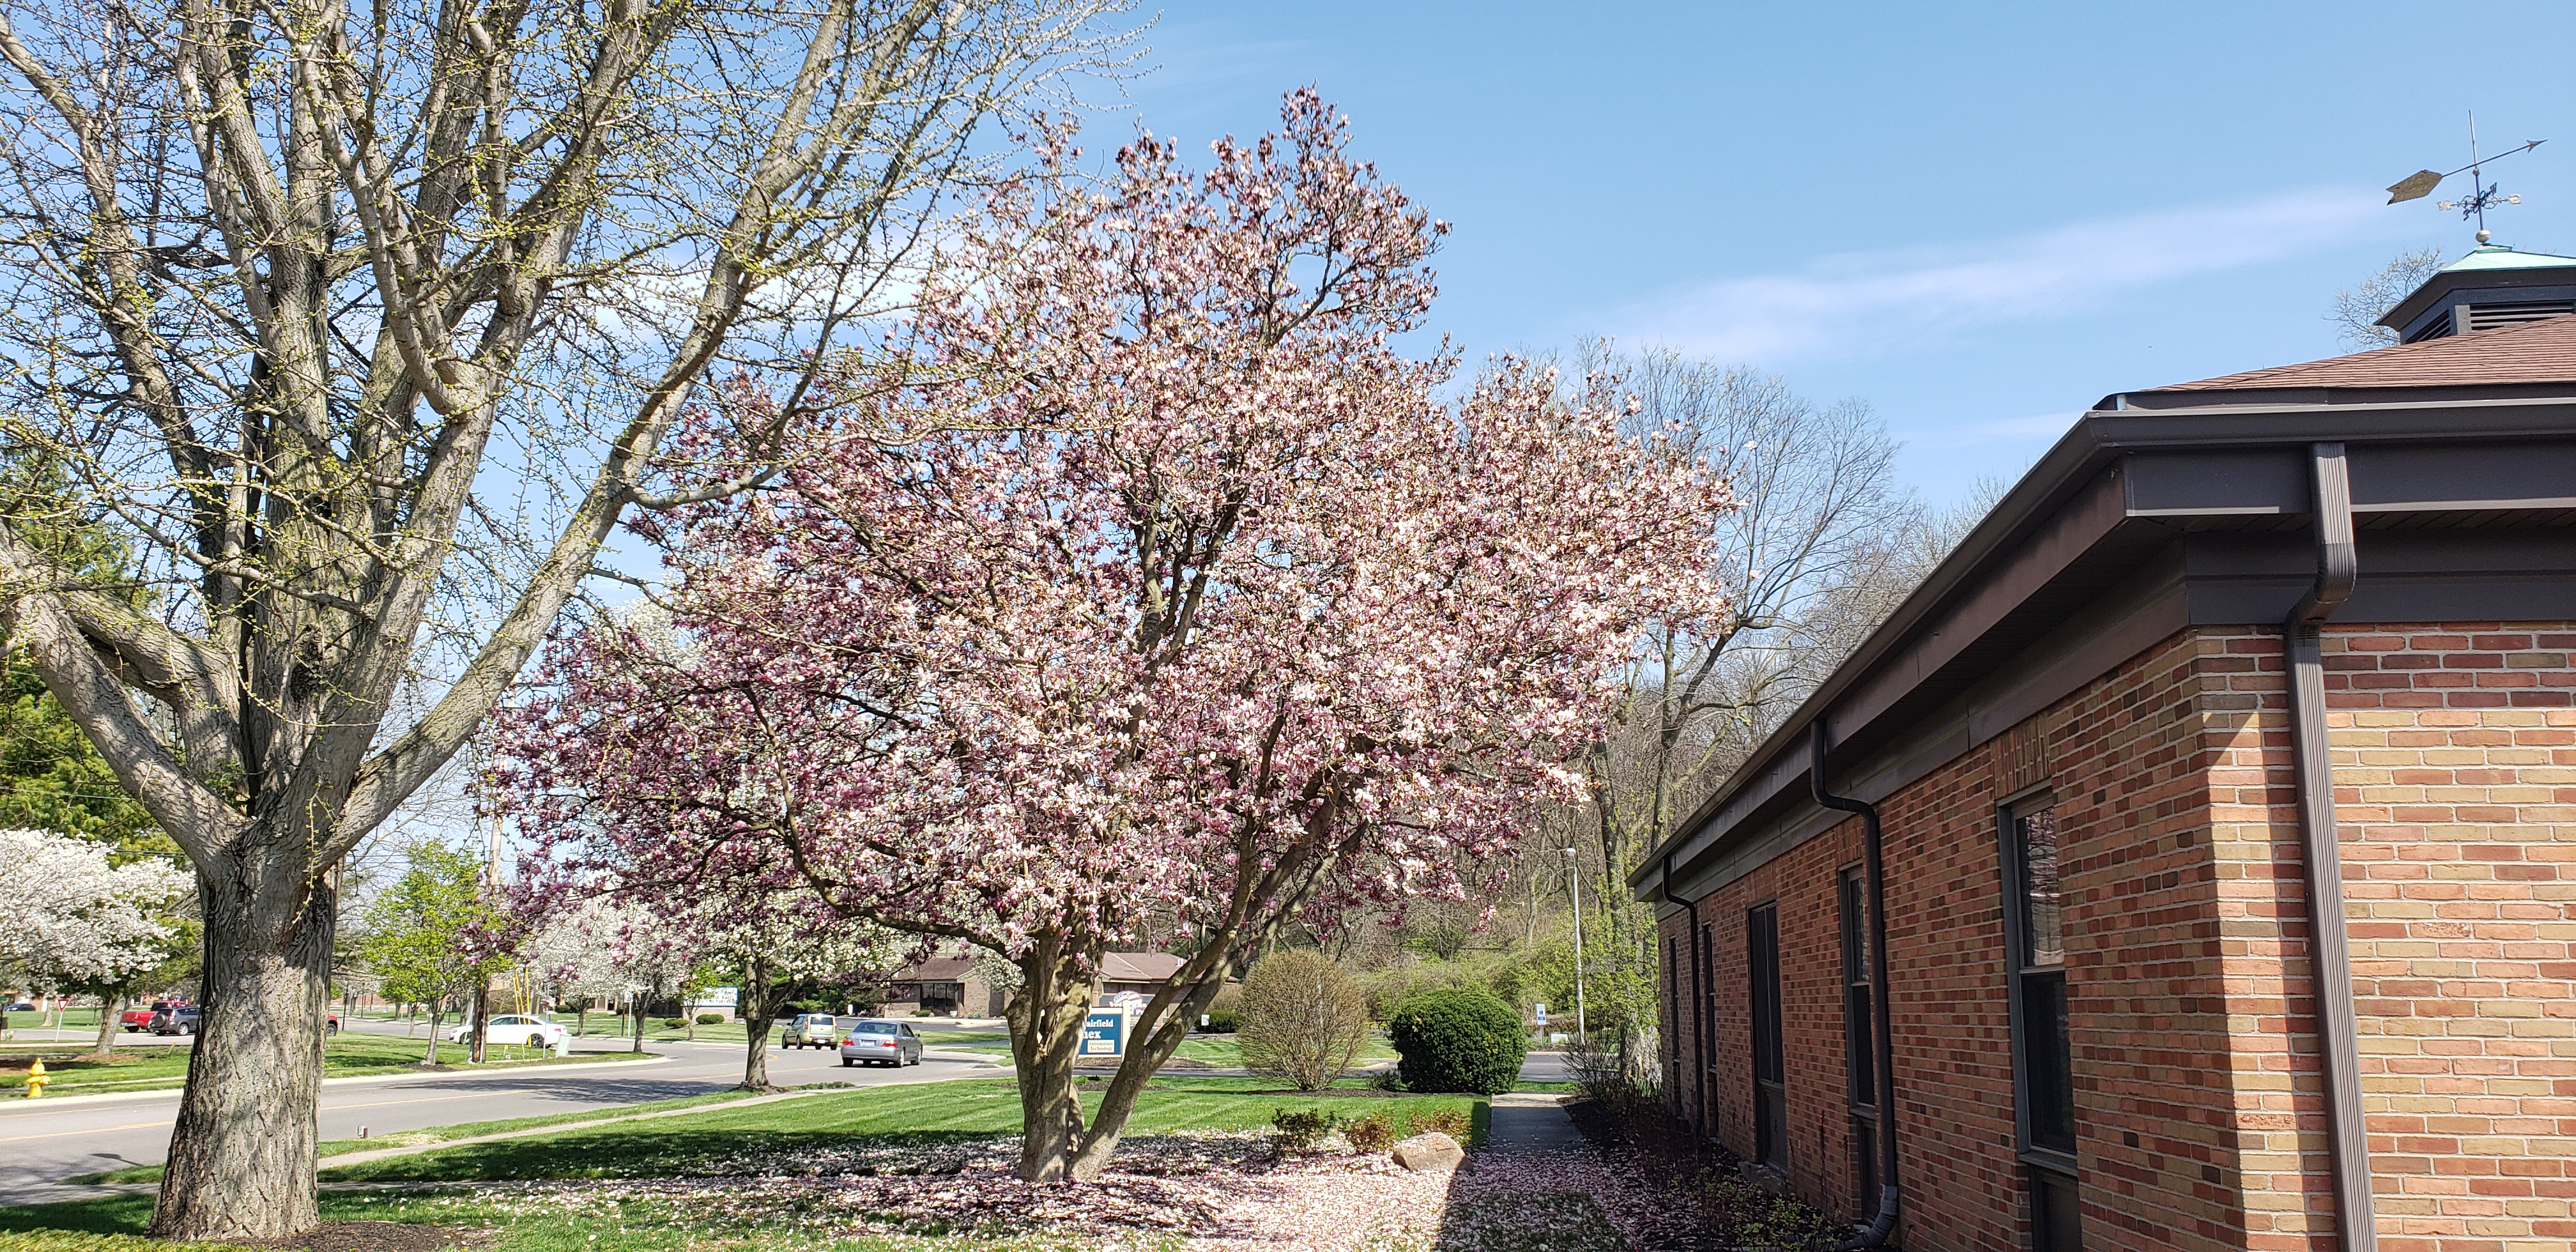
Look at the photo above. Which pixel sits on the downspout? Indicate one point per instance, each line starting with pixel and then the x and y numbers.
pixel 2330 956
pixel 1882 1027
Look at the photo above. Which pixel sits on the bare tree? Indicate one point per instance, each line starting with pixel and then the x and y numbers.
pixel 1819 513
pixel 365 327
pixel 1304 1019
pixel 2358 308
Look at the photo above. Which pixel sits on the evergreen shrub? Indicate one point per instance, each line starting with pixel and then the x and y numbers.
pixel 1457 1039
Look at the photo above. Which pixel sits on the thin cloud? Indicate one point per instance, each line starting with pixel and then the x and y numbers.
pixel 1867 304
pixel 2039 427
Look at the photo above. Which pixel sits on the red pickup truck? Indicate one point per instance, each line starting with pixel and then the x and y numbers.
pixel 141 1019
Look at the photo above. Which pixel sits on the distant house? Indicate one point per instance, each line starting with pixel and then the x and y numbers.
pixel 2185 865
pixel 949 986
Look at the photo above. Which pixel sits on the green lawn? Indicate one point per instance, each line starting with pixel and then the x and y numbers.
pixel 924 1114
pixel 461 1130
pixel 345 1056
pixel 842 1125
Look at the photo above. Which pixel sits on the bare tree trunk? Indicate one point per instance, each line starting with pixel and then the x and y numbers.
pixel 241 1154
pixel 638 1005
pixel 1046 1036
pixel 429 1059
pixel 478 1023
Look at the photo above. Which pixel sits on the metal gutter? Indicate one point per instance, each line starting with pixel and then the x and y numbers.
pixel 2329 950
pixel 1882 1043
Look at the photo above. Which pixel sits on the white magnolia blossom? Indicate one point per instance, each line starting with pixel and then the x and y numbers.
pixel 68 917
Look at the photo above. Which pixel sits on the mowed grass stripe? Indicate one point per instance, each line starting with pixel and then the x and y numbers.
pixel 915 1114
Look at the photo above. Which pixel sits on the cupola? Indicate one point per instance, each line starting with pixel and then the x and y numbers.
pixel 2490 287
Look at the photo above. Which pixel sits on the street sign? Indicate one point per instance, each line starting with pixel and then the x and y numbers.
pixel 1542 1014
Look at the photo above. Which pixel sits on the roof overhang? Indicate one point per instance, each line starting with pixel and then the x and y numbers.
pixel 2158 511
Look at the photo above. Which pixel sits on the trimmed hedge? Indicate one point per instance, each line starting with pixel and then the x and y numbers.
pixel 1457 1039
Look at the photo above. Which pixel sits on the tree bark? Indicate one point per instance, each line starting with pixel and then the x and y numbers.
pixel 755 1025
pixel 1046 1035
pixel 241 1154
pixel 110 1010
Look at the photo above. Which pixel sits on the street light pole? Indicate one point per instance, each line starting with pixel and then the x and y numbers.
pixel 1574 883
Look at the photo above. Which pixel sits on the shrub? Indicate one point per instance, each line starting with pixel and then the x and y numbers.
pixel 1369 1132
pixel 1449 1122
pixel 710 1019
pixel 1297 1130
pixel 674 1023
pixel 1304 1020
pixel 1221 1022
pixel 1458 1039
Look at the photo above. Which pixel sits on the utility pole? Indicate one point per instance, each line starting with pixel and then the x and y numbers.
pixel 1574 883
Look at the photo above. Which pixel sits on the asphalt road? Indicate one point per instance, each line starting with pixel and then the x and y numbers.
pixel 44 1142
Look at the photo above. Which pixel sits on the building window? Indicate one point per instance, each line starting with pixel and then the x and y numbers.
pixel 2043 1056
pixel 1860 1058
pixel 1770 1077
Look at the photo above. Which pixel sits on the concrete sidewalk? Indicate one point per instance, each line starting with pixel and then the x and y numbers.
pixel 1531 1124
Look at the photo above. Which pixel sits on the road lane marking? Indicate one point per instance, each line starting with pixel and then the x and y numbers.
pixel 95 1130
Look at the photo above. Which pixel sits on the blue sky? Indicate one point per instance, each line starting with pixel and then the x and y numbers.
pixel 1978 218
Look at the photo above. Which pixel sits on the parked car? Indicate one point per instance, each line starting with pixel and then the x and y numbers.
pixel 332 1026
pixel 880 1042
pixel 178 1019
pixel 809 1030
pixel 141 1018
pixel 512 1028
pixel 22 1006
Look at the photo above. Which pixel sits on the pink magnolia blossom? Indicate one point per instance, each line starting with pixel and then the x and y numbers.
pixel 1140 592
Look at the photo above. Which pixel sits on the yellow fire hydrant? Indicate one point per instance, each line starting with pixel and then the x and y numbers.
pixel 36 1079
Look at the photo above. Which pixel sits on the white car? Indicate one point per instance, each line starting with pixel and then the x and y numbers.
pixel 513 1028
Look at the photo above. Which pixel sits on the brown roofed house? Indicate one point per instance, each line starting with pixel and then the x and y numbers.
pixel 2187 864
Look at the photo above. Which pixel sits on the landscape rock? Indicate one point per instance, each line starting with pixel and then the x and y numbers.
pixel 1434 1151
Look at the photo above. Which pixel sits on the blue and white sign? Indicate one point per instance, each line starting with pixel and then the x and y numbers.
pixel 1104 1033
pixel 1542 1013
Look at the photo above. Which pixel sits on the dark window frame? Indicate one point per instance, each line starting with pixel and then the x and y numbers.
pixel 1860 1054
pixel 1769 1068
pixel 2052 1174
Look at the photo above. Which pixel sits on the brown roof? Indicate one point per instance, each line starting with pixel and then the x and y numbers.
pixel 1138 966
pixel 1114 967
pixel 938 969
pixel 2535 352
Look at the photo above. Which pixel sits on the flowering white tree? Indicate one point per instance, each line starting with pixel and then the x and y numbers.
pixel 72 919
pixel 574 957
pixel 778 940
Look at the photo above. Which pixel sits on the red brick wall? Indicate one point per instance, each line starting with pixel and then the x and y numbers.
pixel 2199 1114
pixel 2455 768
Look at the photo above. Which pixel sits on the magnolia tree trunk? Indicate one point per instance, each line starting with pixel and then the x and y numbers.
pixel 756 1012
pixel 1159 1032
pixel 1046 1036
pixel 241 1155
pixel 1046 1019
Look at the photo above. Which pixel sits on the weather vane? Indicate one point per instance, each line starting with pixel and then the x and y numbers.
pixel 2482 196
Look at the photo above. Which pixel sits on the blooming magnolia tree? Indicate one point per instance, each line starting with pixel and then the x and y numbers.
pixel 71 918
pixel 1151 597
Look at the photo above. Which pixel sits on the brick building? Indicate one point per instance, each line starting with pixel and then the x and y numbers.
pixel 2232 646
